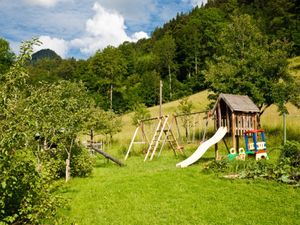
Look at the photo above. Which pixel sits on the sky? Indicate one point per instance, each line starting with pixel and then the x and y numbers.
pixel 78 28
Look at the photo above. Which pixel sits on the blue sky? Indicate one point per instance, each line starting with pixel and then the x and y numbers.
pixel 78 28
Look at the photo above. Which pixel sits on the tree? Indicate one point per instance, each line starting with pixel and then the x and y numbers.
pixel 25 194
pixel 149 88
pixel 39 127
pixel 248 64
pixel 106 123
pixel 6 56
pixel 185 107
pixel 165 50
pixel 140 112
pixel 58 113
pixel 110 67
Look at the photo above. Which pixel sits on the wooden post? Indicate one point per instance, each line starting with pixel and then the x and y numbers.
pixel 219 116
pixel 237 138
pixel 217 125
pixel 233 130
pixel 284 128
pixel 227 118
pixel 255 123
pixel 160 98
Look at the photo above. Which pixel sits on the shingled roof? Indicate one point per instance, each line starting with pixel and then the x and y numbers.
pixel 240 103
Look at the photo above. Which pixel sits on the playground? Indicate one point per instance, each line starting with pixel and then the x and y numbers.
pixel 146 191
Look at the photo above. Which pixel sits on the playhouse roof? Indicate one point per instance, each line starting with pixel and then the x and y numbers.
pixel 240 103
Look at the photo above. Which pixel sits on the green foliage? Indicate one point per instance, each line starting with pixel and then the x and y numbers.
pixel 291 150
pixel 185 107
pixel 104 122
pixel 149 88
pixel 140 112
pixel 247 64
pixel 25 194
pixel 82 162
pixel 6 56
pixel 217 35
pixel 39 126
pixel 109 68
pixel 284 171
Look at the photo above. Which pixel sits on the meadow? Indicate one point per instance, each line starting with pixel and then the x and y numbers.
pixel 156 192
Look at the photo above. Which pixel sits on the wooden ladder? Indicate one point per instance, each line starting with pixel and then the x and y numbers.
pixel 171 140
pixel 157 136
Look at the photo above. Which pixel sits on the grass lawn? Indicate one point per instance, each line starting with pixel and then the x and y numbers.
pixel 157 192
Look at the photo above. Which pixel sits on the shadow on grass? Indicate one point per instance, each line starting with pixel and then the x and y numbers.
pixel 67 189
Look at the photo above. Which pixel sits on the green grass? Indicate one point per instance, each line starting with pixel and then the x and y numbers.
pixel 159 193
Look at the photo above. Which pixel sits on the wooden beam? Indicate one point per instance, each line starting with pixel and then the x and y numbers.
pixel 106 155
pixel 131 143
pixel 227 118
pixel 189 114
pixel 219 115
pixel 233 130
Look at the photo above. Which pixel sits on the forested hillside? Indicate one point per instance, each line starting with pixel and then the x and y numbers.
pixel 47 104
pixel 186 54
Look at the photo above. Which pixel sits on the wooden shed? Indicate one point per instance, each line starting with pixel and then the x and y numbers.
pixel 236 112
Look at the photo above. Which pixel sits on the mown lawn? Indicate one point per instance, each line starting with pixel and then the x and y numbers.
pixel 157 192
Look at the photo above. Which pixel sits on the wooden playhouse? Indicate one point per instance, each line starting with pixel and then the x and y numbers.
pixel 236 112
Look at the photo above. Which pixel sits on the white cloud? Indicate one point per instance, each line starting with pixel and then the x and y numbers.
pixel 60 46
pixel 106 24
pixel 107 27
pixel 139 35
pixel 45 3
pixel 196 2
pixel 135 11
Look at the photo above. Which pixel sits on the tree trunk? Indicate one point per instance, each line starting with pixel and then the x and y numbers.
pixel 111 91
pixel 68 168
pixel 68 162
pixel 196 65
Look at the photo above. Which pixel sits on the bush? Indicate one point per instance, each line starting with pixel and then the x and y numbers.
pixel 291 150
pixel 82 162
pixel 250 169
pixel 217 166
pixel 25 194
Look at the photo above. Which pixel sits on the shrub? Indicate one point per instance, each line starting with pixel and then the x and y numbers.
pixel 81 162
pixel 25 194
pixel 291 150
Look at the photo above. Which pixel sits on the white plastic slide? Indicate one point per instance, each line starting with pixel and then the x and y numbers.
pixel 203 148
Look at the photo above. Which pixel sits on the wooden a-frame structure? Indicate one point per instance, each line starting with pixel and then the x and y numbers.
pixel 163 129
